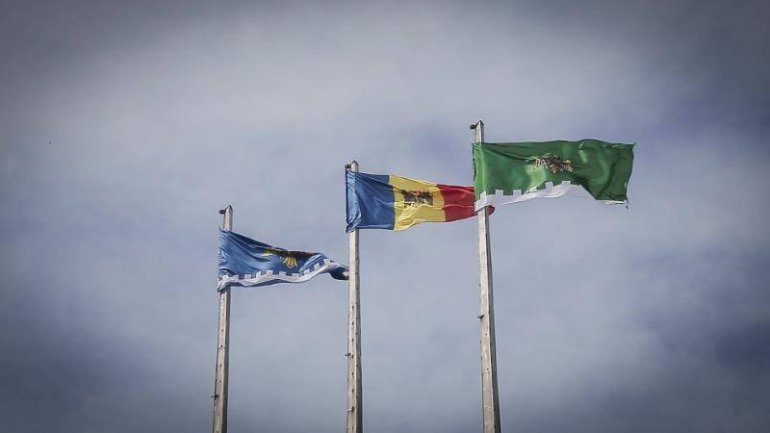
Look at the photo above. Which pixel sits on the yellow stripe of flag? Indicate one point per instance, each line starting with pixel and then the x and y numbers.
pixel 415 202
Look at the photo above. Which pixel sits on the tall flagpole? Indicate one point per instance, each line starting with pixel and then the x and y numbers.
pixel 490 405
pixel 223 350
pixel 355 398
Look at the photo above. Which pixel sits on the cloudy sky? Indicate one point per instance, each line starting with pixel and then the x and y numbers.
pixel 126 126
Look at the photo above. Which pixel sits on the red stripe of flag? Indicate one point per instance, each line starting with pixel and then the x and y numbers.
pixel 459 201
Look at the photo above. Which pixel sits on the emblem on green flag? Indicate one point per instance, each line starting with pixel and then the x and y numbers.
pixel 515 172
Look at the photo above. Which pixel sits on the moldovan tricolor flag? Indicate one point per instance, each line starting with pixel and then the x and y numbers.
pixel 376 201
pixel 515 172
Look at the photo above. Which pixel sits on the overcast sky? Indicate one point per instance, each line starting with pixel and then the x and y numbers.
pixel 126 126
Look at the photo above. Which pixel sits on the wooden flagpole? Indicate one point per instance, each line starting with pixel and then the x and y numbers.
pixel 490 405
pixel 355 398
pixel 223 350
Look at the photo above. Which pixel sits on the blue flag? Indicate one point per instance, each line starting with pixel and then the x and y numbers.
pixel 246 262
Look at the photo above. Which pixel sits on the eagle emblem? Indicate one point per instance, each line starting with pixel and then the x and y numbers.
pixel 417 198
pixel 553 162
pixel 288 258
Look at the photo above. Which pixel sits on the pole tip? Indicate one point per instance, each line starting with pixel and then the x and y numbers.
pixel 477 124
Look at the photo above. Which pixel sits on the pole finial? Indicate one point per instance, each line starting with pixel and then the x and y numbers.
pixel 478 131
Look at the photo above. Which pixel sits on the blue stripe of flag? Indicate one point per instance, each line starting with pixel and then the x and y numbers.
pixel 370 201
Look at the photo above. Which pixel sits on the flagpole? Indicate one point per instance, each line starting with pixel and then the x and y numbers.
pixel 223 350
pixel 355 398
pixel 490 405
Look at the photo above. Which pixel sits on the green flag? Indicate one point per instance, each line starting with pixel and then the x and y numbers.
pixel 514 172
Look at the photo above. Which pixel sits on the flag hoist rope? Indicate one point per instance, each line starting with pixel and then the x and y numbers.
pixel 223 350
pixel 490 405
pixel 355 408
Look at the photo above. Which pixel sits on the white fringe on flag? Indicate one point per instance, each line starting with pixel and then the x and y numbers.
pixel 550 191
